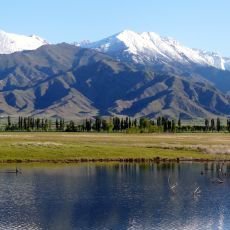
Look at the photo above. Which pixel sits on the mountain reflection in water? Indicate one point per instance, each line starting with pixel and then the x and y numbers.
pixel 116 196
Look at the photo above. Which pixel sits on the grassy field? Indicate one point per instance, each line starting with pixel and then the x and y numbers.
pixel 70 147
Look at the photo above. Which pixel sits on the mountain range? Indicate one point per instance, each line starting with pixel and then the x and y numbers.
pixel 134 74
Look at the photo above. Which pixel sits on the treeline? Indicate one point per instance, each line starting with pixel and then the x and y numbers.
pixel 28 124
pixel 115 124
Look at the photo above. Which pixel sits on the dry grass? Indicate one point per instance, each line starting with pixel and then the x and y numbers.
pixel 36 144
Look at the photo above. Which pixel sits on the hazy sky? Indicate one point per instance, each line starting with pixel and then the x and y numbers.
pixel 195 23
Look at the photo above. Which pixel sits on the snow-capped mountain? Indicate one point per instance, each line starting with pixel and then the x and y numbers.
pixel 150 48
pixel 10 43
pixel 66 81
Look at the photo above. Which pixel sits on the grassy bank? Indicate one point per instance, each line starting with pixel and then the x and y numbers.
pixel 75 147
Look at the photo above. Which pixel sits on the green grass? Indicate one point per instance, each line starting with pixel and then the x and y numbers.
pixel 75 146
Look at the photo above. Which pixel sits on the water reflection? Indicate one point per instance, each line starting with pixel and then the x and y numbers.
pixel 119 196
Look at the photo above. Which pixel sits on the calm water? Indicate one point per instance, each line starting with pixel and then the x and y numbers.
pixel 120 197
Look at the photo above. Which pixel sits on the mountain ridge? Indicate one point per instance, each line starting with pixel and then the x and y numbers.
pixel 155 45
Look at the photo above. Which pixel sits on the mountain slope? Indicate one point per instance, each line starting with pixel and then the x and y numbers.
pixel 10 43
pixel 67 81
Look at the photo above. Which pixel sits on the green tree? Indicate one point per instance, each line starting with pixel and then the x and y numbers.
pixel 88 125
pixel 57 125
pixel 130 123
pixel 116 124
pixel 173 126
pixel 98 124
pixel 165 124
pixel 105 125
pixel 218 125
pixel 228 125
pixel 9 121
pixel 212 124
pixel 71 127
pixel 38 123
pixel 159 121
pixel 144 123
pixel 206 125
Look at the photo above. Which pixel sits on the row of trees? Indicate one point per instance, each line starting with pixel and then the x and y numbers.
pixel 28 123
pixel 114 124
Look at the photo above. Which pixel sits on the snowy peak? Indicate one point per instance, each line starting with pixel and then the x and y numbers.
pixel 10 43
pixel 151 48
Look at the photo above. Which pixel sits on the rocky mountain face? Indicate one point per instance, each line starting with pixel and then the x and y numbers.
pixel 72 82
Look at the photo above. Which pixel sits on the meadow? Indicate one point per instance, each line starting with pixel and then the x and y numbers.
pixel 79 147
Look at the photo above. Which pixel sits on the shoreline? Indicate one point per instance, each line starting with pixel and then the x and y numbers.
pixel 113 160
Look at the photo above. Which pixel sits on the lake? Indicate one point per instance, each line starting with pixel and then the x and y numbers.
pixel 116 196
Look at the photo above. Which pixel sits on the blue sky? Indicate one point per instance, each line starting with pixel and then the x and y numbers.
pixel 195 23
